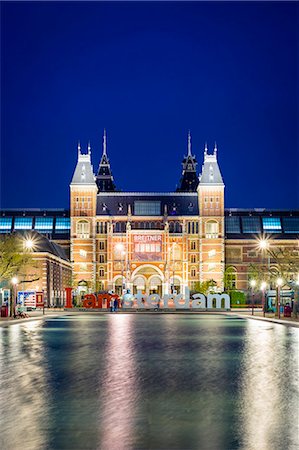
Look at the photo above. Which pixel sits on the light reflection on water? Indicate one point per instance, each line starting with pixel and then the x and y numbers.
pixel 149 382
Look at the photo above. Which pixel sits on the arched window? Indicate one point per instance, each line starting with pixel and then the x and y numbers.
pixel 83 229
pixel 230 278
pixel 101 272
pixel 212 229
pixel 193 272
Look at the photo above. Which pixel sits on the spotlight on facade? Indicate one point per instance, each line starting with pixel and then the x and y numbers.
pixel 263 244
pixel 263 285
pixel 279 281
pixel 119 247
pixel 29 244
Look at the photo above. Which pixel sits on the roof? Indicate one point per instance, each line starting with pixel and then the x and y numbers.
pixel 41 244
pixel 158 204
pixel 83 174
pixel 210 174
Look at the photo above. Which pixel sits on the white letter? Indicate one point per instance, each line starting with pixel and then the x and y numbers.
pixel 218 298
pixel 199 302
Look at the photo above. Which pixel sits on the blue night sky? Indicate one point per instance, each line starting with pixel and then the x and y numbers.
pixel 148 72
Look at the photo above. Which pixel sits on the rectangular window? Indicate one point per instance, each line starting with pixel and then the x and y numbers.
pixel 102 258
pixel 271 224
pixel 44 224
pixel 101 245
pixel 251 225
pixel 232 224
pixel 63 225
pixel 5 224
pixel 147 208
pixel 291 225
pixel 193 259
pixel 23 223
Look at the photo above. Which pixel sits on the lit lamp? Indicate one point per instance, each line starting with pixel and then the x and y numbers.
pixel 252 284
pixel 29 244
pixel 279 283
pixel 264 245
pixel 263 287
pixel 14 282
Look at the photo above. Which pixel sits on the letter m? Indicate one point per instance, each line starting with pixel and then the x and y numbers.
pixel 218 298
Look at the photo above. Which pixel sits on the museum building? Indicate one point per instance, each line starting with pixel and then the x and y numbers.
pixel 157 242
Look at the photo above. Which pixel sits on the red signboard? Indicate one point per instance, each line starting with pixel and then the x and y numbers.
pixel 39 299
pixel 147 247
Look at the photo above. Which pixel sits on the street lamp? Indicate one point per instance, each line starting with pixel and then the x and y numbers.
pixel 14 281
pixel 252 284
pixel 279 283
pixel 263 287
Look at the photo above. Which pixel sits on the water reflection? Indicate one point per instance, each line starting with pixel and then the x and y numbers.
pixel 148 382
pixel 269 390
pixel 24 397
pixel 119 386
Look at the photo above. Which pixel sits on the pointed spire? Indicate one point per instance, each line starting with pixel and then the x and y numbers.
pixel 189 143
pixel 206 148
pixel 104 143
pixel 215 149
pixel 89 148
pixel 79 149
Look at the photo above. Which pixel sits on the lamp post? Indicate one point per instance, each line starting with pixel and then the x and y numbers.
pixel 252 284
pixel 14 281
pixel 263 287
pixel 279 284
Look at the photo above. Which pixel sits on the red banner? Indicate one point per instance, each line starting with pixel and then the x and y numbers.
pixel 147 247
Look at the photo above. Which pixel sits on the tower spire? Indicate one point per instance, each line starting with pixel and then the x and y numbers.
pixel 215 149
pixel 79 149
pixel 206 148
pixel 189 143
pixel 89 148
pixel 104 142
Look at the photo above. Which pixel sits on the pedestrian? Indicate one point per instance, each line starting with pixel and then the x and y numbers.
pixel 111 305
pixel 115 304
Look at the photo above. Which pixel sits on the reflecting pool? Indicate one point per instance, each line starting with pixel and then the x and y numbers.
pixel 156 381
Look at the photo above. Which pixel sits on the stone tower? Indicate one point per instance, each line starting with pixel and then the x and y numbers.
pixel 211 210
pixel 83 212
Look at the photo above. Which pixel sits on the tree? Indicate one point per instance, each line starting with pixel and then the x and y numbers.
pixel 284 263
pixel 204 287
pixel 12 257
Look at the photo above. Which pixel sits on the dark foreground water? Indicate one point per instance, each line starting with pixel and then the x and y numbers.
pixel 148 382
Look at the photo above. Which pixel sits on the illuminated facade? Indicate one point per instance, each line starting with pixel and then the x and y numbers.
pixel 158 242
pixel 155 242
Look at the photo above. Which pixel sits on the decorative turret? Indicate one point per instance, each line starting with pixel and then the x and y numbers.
pixel 189 179
pixel 104 178
pixel 210 175
pixel 83 174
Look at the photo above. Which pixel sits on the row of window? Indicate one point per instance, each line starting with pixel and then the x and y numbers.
pixel 40 224
pixel 211 227
pixel 256 224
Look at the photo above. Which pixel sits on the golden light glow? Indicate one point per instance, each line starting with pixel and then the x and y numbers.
pixel 263 244
pixel 14 280
pixel 279 281
pixel 252 283
pixel 263 285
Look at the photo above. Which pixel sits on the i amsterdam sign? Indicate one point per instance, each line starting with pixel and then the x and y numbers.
pixel 211 302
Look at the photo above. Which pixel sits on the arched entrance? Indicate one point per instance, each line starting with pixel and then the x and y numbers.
pixel 148 279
